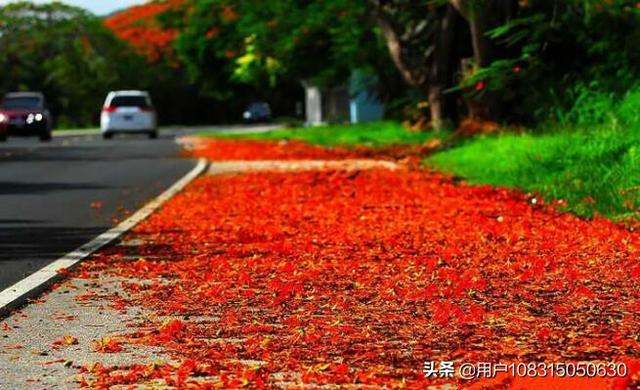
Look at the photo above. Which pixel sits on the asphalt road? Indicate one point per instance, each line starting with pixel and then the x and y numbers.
pixel 56 196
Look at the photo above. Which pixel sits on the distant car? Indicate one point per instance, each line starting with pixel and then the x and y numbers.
pixel 25 114
pixel 128 112
pixel 257 112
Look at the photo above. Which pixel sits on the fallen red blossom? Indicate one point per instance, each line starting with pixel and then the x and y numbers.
pixel 250 150
pixel 66 341
pixel 336 278
pixel 52 362
pixel 107 345
pixel 226 149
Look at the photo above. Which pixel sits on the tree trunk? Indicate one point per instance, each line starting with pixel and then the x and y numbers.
pixel 395 49
pixel 442 69
pixel 437 105
pixel 482 51
pixel 477 13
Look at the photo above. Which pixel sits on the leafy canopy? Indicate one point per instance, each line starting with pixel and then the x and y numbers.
pixel 65 52
pixel 249 41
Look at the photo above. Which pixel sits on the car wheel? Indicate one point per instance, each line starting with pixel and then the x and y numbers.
pixel 44 137
pixel 107 135
pixel 153 134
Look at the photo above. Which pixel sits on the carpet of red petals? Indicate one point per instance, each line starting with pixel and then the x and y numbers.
pixel 229 149
pixel 359 278
pixel 223 149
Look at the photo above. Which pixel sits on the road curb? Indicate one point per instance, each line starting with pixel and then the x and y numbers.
pixel 33 285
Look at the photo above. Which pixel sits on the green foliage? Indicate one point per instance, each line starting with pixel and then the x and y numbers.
pixel 555 52
pixel 250 64
pixel 69 55
pixel 64 52
pixel 374 134
pixel 590 106
pixel 240 51
pixel 594 166
pixel 566 69
pixel 265 45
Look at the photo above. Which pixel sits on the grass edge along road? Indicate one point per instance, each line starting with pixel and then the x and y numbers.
pixel 588 173
pixel 375 134
pixel 593 170
pixel 356 278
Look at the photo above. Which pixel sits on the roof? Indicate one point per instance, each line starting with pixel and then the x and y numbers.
pixel 129 93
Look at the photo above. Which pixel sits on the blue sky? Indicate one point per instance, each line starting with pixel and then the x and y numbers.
pixel 99 7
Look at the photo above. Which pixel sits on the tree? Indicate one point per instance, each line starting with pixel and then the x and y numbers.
pixel 178 98
pixel 64 52
pixel 508 60
pixel 259 44
pixel 138 25
pixel 551 53
pixel 429 40
pixel 491 59
pixel 229 46
pixel 420 47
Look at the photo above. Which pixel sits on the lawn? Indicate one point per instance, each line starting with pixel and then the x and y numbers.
pixel 374 134
pixel 587 156
pixel 591 171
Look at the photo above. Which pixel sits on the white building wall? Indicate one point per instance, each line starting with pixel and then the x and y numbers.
pixel 313 103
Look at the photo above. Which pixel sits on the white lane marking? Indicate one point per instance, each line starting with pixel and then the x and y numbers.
pixel 36 282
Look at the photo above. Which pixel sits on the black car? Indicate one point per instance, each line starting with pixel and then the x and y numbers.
pixel 25 114
pixel 257 112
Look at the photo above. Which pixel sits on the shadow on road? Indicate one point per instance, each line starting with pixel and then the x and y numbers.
pixel 26 249
pixel 46 243
pixel 14 188
pixel 113 150
pixel 19 221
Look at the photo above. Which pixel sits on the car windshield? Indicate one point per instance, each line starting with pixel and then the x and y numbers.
pixel 130 101
pixel 259 107
pixel 22 102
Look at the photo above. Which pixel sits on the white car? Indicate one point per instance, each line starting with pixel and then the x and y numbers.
pixel 128 112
